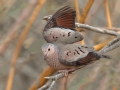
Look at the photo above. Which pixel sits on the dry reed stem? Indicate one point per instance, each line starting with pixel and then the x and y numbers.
pixel 88 19
pixel 48 71
pixel 19 44
pixel 76 5
pixel 84 15
pixel 108 14
pixel 115 88
pixel 101 45
pixel 6 42
pixel 12 34
pixel 86 10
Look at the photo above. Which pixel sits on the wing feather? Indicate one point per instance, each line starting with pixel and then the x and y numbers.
pixel 64 17
pixel 75 54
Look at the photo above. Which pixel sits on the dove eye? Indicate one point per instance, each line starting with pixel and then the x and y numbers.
pixel 49 49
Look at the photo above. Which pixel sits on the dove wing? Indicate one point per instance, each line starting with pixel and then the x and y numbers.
pixel 61 27
pixel 74 54
pixel 64 17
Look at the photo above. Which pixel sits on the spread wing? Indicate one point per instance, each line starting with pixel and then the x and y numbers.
pixel 75 54
pixel 64 17
pixel 61 27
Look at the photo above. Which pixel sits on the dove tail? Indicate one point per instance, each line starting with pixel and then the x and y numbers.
pixel 105 56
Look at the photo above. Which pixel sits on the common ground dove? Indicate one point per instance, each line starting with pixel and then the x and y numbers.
pixel 60 28
pixel 69 57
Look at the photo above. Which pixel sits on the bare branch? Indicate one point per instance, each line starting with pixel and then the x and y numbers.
pixel 111 45
pixel 95 29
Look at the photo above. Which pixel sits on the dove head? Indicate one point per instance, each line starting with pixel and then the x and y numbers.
pixel 48 49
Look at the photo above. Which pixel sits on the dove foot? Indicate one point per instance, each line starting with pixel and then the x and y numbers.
pixel 65 71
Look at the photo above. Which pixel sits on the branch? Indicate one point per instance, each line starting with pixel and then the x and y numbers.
pixel 78 16
pixel 108 14
pixel 41 80
pixel 89 17
pixel 95 29
pixel 86 10
pixel 111 45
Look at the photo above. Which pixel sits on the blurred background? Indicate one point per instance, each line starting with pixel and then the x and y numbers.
pixel 21 59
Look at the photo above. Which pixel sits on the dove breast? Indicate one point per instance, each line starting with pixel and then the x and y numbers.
pixel 51 52
pixel 62 35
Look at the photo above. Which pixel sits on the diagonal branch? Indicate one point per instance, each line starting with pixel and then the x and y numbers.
pixel 86 10
pixel 95 29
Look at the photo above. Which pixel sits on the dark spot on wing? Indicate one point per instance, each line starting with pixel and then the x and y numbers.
pixel 69 33
pixel 67 54
pixel 63 35
pixel 81 50
pixel 77 51
pixel 74 53
pixel 76 37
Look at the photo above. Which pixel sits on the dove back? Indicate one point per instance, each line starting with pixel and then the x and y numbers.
pixel 78 55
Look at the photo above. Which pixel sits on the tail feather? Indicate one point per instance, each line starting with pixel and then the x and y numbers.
pixel 106 56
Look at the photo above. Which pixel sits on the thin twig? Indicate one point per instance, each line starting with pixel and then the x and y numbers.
pixel 88 19
pixel 110 43
pixel 41 80
pixel 95 29
pixel 76 4
pixel 84 15
pixel 19 44
pixel 86 10
pixel 108 14
pixel 117 44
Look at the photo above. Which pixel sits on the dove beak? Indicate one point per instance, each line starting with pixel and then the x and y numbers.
pixel 45 56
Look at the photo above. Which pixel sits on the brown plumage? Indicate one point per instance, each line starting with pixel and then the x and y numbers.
pixel 70 56
pixel 61 27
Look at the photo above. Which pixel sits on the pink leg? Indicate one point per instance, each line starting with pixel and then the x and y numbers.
pixel 65 71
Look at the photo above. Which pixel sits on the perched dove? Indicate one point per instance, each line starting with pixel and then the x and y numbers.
pixel 60 28
pixel 69 57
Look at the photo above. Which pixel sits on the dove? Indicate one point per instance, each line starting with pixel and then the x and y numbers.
pixel 69 57
pixel 60 28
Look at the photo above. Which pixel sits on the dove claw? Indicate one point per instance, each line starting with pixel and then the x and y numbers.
pixel 64 71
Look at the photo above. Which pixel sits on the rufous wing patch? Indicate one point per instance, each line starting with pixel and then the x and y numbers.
pixel 64 17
